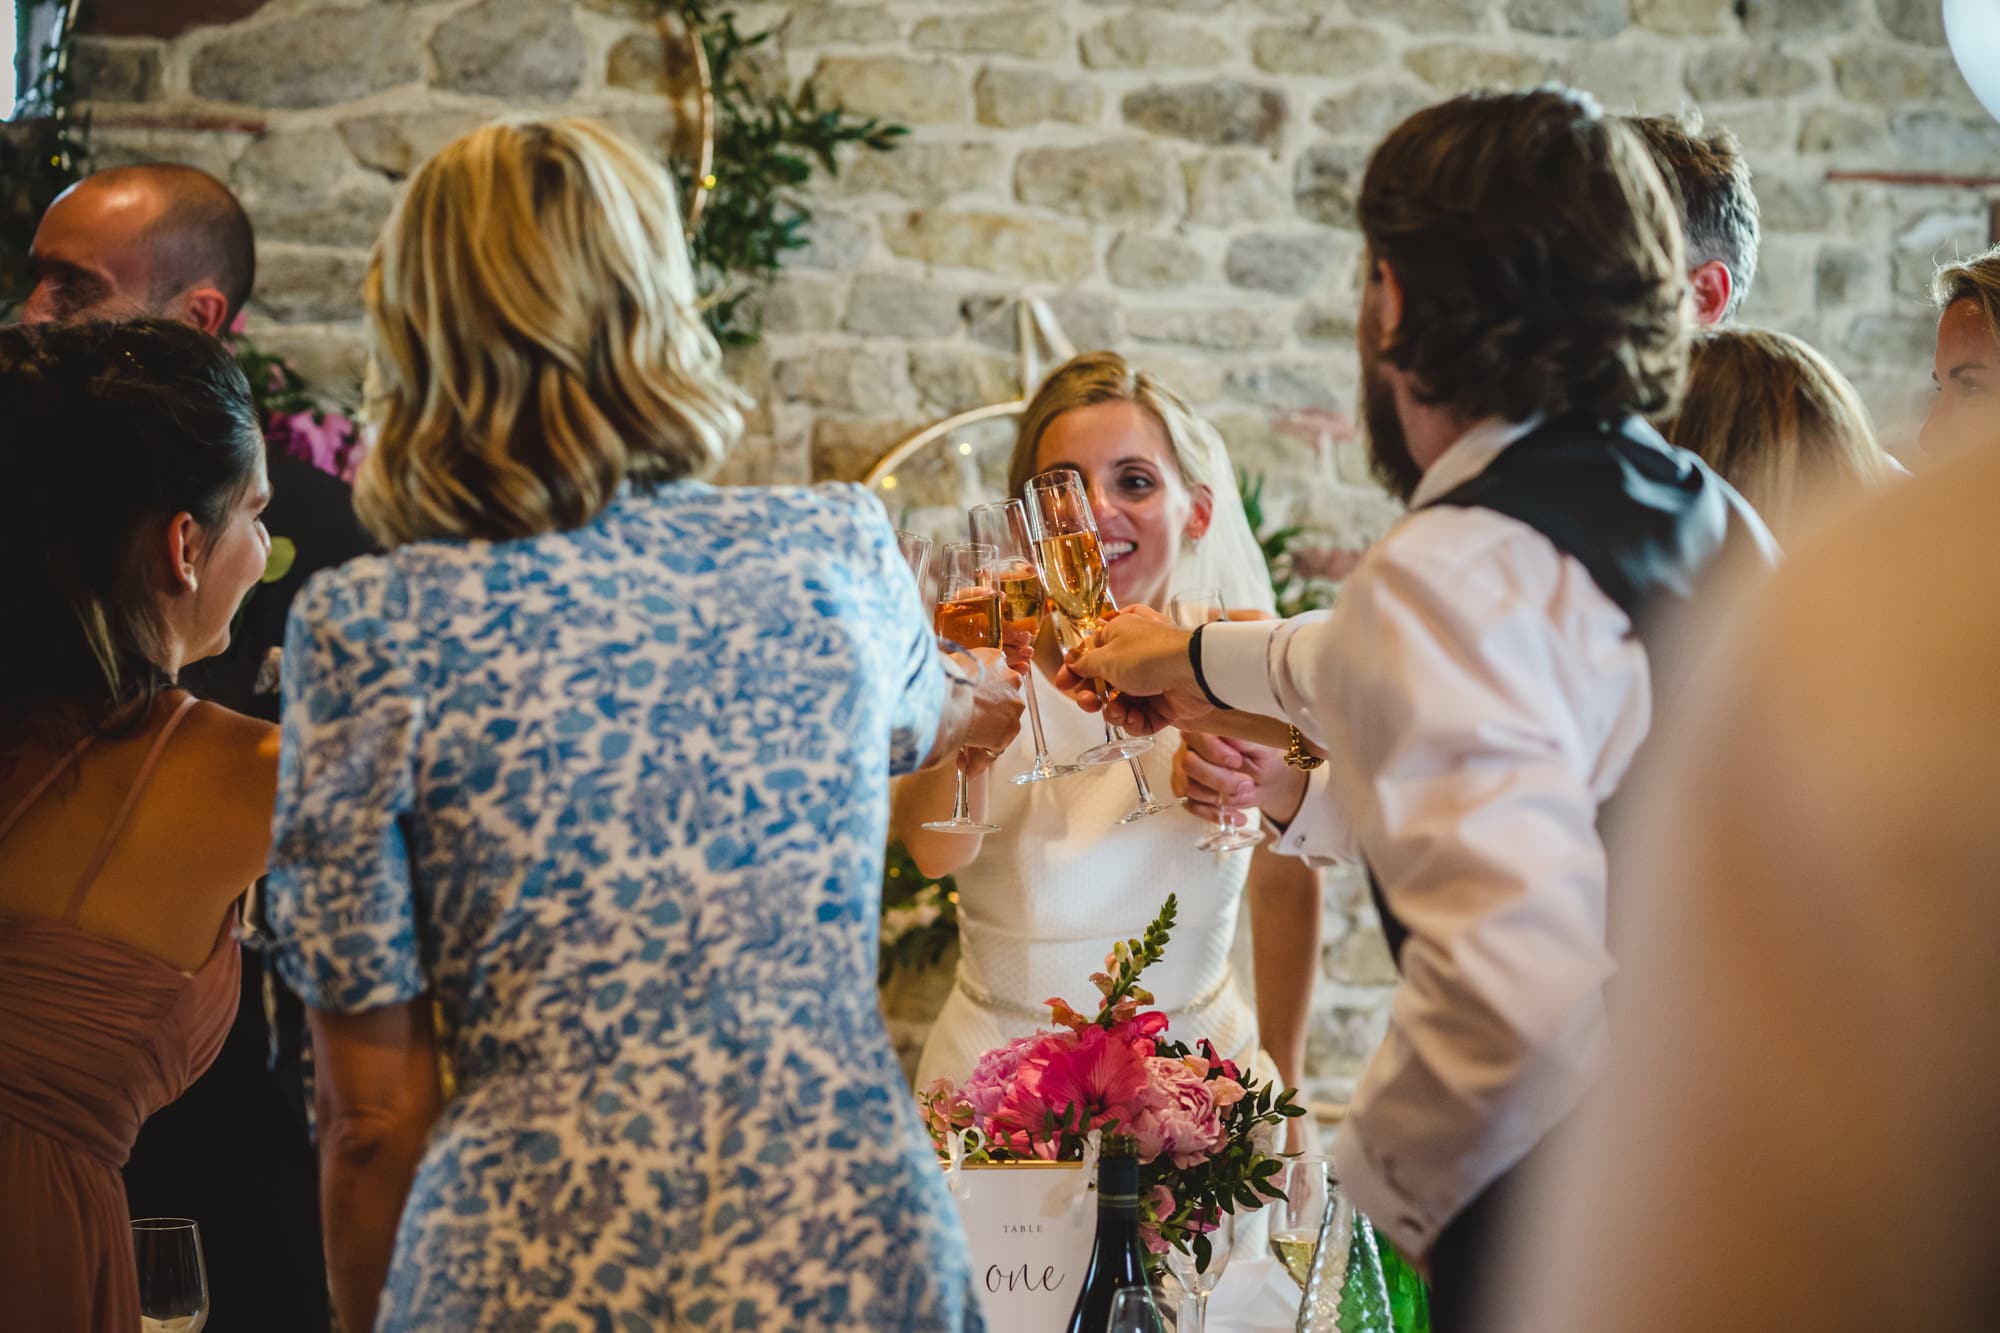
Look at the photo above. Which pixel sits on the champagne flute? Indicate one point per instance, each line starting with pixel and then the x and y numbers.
pixel 968 613
pixel 916 549
pixel 173 1282
pixel 1023 603
pixel 1190 610
pixel 1201 1285
pixel 1296 1218
pixel 1072 566
pixel 1133 1311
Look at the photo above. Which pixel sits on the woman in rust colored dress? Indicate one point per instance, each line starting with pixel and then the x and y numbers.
pixel 131 816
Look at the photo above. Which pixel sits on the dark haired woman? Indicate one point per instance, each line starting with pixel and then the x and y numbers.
pixel 131 817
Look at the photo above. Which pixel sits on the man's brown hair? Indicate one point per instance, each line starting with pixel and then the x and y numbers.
pixel 1539 257
pixel 1711 184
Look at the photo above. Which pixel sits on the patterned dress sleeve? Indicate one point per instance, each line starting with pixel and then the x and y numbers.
pixel 900 637
pixel 339 895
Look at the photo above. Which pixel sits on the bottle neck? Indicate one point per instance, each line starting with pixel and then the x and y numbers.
pixel 1118 1188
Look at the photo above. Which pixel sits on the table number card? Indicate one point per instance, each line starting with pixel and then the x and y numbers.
pixel 1030 1226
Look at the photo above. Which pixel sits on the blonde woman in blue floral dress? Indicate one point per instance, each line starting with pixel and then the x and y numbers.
pixel 593 766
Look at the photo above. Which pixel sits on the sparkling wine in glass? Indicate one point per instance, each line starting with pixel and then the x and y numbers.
pixel 1296 1218
pixel 1190 610
pixel 1200 1285
pixel 173 1282
pixel 968 613
pixel 1023 606
pixel 1072 565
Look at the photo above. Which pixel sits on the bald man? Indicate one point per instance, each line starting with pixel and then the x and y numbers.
pixel 233 1153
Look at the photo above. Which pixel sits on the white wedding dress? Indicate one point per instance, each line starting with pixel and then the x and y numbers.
pixel 1049 894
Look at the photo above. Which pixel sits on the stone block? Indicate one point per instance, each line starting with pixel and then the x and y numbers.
pixel 1319 49
pixel 1891 76
pixel 214 151
pixel 1221 329
pixel 1903 340
pixel 1945 140
pixel 332 358
pixel 836 24
pixel 112 71
pixel 833 240
pixel 301 186
pixel 1128 180
pixel 1847 131
pixel 1197 379
pixel 868 380
pixel 1328 322
pixel 397 143
pixel 1026 248
pixel 1221 113
pixel 1461 67
pixel 1799 18
pixel 1150 261
pixel 1009 98
pixel 897 88
pixel 844 449
pixel 1792 202
pixel 1139 40
pixel 1089 319
pixel 1361 958
pixel 1629 77
pixel 1684 18
pixel 1369 110
pixel 1846 276
pixel 1288 263
pixel 920 171
pixel 1327 181
pixel 1421 15
pixel 1938 237
pixel 1784 286
pixel 522 50
pixel 1031 34
pixel 1920 21
pixel 1590 20
pixel 644 62
pixel 316 59
pixel 1285 387
pixel 956 377
pixel 802 303
pixel 1231 187
pixel 768 460
pixel 300 284
pixel 901 307
pixel 1734 72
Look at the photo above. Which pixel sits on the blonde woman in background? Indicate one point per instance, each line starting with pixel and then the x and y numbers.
pixel 1778 422
pixel 1041 901
pixel 596 758
pixel 1967 369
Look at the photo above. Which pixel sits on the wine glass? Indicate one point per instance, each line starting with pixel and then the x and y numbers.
pixel 1133 1311
pixel 1072 565
pixel 173 1283
pixel 968 613
pixel 916 549
pixel 1296 1218
pixel 1199 1286
pixel 1023 602
pixel 1190 610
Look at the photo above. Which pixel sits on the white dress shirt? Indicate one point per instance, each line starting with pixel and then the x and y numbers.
pixel 1478 697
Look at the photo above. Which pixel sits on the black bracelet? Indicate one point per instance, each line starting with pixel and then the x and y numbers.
pixel 1194 660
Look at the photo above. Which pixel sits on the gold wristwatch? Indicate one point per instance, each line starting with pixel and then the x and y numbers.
pixel 1295 753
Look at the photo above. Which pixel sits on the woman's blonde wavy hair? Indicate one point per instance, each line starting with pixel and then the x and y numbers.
pixel 1106 377
pixel 534 339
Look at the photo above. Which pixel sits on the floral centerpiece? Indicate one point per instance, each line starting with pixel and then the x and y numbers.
pixel 1203 1126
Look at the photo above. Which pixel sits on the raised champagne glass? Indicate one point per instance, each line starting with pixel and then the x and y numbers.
pixel 1023 606
pixel 1191 610
pixel 1072 565
pixel 968 613
pixel 916 549
pixel 1296 1219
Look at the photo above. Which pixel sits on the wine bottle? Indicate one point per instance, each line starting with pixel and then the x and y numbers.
pixel 1118 1258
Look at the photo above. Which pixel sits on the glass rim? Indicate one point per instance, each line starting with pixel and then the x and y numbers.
pixel 974 547
pixel 1055 476
pixel 165 1224
pixel 1007 503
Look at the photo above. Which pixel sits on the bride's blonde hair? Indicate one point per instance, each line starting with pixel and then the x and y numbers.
pixel 1107 377
pixel 534 339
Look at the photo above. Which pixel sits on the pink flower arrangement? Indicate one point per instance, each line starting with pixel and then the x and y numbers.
pixel 1196 1118
pixel 327 439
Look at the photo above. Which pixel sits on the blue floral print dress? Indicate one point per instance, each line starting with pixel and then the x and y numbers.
pixel 617 797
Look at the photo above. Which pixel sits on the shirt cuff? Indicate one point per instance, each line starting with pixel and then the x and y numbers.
pixel 1320 830
pixel 1235 657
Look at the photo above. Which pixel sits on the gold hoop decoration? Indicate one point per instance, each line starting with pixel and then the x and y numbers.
pixel 689 36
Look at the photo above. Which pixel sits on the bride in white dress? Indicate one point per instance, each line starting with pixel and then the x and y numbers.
pixel 1041 901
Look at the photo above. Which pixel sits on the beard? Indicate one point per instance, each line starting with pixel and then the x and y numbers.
pixel 1389 460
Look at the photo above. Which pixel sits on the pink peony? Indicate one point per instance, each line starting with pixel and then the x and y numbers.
pixel 995 1072
pixel 1178 1118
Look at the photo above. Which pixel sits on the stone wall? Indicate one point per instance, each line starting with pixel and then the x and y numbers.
pixel 1178 177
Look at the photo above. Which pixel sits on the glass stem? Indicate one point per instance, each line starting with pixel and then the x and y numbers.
pixel 1035 720
pixel 1201 1312
pixel 961 801
pixel 1139 780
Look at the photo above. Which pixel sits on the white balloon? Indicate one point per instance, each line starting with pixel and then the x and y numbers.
pixel 1972 28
